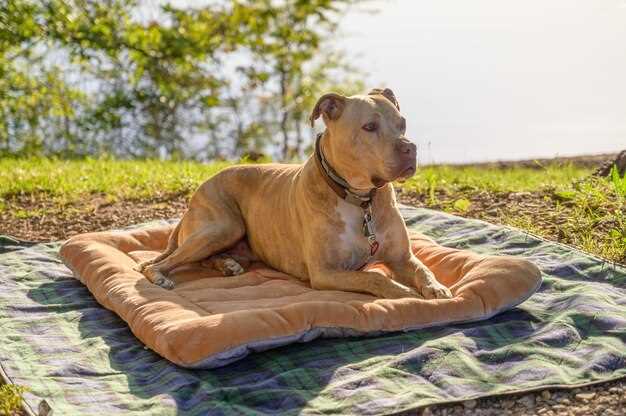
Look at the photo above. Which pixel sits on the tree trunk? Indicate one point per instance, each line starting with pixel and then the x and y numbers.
pixel 298 149
pixel 285 114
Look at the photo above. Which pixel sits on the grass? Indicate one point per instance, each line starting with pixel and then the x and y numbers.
pixel 590 215
pixel 553 200
pixel 71 180
pixel 10 399
pixel 619 183
pixel 558 202
pixel 493 179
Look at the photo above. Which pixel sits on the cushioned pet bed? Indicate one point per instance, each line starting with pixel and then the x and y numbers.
pixel 83 359
pixel 209 321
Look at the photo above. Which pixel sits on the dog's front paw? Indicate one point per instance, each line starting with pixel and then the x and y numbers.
pixel 435 290
pixel 398 291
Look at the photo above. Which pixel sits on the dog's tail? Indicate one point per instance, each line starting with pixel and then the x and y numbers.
pixel 172 244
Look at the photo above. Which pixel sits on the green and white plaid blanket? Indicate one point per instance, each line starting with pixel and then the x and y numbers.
pixel 83 359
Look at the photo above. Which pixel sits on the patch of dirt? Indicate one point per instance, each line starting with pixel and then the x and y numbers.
pixel 490 206
pixel 43 220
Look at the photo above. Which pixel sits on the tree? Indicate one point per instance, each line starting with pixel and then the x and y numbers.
pixel 88 76
pixel 35 100
pixel 295 59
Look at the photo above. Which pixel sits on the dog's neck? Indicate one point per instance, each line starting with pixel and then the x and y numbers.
pixel 335 181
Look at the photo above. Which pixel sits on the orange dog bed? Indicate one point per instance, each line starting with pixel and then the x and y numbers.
pixel 209 321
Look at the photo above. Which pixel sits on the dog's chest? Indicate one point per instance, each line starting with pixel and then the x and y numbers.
pixel 353 245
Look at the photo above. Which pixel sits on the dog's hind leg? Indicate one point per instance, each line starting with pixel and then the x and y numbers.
pixel 172 244
pixel 209 238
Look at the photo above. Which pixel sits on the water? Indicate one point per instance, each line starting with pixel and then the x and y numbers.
pixel 498 79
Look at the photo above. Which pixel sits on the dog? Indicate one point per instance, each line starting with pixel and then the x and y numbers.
pixel 322 221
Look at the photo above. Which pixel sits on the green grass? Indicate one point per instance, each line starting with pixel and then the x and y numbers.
pixel 619 183
pixel 565 203
pixel 71 180
pixel 10 399
pixel 469 178
pixel 590 215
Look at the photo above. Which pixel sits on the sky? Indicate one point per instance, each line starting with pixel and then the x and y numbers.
pixel 483 80
pixel 498 79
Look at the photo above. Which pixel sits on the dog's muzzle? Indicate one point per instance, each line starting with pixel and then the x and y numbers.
pixel 406 152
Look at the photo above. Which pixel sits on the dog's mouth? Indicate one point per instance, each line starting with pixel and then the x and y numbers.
pixel 402 175
pixel 406 172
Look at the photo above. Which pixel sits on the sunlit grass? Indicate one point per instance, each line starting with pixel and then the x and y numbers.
pixel 10 399
pixel 73 179
pixel 147 178
pixel 471 178
pixel 589 214
pixel 592 217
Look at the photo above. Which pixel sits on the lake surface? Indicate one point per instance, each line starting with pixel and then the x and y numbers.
pixel 498 79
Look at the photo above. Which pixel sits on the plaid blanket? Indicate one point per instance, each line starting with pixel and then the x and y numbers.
pixel 82 359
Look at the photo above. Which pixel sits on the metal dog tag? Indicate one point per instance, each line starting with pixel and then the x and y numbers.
pixel 369 231
pixel 368 225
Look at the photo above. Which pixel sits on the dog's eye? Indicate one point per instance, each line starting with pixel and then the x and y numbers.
pixel 370 126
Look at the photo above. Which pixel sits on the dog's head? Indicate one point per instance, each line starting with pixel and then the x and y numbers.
pixel 366 140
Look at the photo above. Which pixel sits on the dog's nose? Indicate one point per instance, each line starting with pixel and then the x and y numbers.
pixel 406 147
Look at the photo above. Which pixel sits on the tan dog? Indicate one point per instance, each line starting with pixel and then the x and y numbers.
pixel 321 221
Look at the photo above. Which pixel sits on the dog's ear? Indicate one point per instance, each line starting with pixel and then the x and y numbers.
pixel 331 105
pixel 387 93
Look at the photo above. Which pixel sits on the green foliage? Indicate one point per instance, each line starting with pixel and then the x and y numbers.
pixel 564 194
pixel 10 399
pixel 596 218
pixel 289 58
pixel 462 204
pixel 85 77
pixel 619 182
